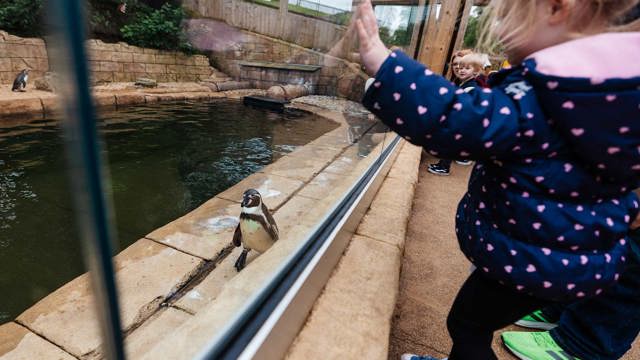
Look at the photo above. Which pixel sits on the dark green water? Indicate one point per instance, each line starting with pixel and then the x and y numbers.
pixel 163 161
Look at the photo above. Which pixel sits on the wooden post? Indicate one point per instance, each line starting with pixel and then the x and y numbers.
pixel 415 34
pixel 437 36
pixel 461 30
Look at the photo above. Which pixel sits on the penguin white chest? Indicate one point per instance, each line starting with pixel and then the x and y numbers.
pixel 254 236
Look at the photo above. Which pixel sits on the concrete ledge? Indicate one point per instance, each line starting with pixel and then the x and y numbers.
pixel 18 343
pixel 352 318
pixel 147 274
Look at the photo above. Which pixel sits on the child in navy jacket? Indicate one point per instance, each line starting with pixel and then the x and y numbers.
pixel 547 213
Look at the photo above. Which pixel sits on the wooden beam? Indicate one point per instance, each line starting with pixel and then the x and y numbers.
pixel 462 29
pixel 420 23
pixel 437 38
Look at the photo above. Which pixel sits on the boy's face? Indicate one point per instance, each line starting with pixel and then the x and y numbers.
pixel 466 72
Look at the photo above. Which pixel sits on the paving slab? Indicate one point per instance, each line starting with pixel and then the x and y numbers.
pixel 336 139
pixel 146 273
pixel 322 185
pixel 352 317
pixel 316 152
pixel 204 232
pixel 18 343
pixel 275 190
pixel 153 331
pixel 211 286
pixel 345 163
pixel 389 212
pixel 406 166
pixel 296 168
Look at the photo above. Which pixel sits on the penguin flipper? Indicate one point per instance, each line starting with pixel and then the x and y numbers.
pixel 272 226
pixel 237 236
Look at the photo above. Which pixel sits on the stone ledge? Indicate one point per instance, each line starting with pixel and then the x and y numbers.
pixel 146 272
pixel 19 343
pixel 352 317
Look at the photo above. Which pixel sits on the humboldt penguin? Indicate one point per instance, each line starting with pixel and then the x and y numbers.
pixel 256 230
pixel 20 83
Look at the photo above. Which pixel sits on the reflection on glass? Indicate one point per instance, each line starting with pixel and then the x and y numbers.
pixel 397 23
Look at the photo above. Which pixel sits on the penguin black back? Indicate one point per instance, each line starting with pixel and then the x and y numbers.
pixel 20 83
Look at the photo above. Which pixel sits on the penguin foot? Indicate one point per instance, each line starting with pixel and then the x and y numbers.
pixel 242 259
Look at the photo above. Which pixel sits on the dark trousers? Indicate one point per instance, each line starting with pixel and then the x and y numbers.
pixel 603 327
pixel 445 164
pixel 481 307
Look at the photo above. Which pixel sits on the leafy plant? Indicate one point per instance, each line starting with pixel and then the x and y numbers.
pixel 159 29
pixel 471 35
pixel 21 17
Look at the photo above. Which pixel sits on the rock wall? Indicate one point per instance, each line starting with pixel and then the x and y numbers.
pixel 230 47
pixel 122 62
pixel 119 62
pixel 18 53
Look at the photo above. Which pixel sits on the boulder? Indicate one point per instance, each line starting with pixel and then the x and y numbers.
pixel 146 82
pixel 47 82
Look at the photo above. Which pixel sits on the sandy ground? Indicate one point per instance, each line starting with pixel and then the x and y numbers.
pixel 434 268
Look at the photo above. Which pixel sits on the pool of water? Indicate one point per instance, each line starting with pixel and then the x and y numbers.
pixel 163 161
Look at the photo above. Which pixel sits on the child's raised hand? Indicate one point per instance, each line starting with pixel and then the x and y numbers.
pixel 372 50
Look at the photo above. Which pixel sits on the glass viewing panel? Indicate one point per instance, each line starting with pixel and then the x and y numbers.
pixel 196 103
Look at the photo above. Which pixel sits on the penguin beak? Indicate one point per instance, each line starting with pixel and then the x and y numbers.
pixel 245 201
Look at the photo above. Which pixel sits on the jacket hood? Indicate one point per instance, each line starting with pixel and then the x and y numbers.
pixel 590 90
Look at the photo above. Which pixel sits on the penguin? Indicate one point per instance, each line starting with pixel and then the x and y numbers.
pixel 20 83
pixel 256 230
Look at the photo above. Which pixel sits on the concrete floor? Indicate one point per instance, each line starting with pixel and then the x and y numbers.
pixel 434 268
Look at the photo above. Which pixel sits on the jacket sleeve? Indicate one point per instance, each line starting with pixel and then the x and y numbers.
pixel 448 122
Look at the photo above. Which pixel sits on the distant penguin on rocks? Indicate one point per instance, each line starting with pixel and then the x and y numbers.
pixel 20 83
pixel 256 230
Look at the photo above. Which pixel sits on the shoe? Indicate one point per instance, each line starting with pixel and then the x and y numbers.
pixel 438 170
pixel 418 357
pixel 534 346
pixel 537 320
pixel 464 162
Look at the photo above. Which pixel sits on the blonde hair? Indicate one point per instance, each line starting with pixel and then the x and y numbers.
pixel 476 60
pixel 461 53
pixel 508 23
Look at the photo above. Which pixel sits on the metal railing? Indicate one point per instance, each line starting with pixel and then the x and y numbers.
pixel 317 6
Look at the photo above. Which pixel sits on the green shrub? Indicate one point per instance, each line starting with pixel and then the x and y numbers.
pixel 158 29
pixel 21 17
